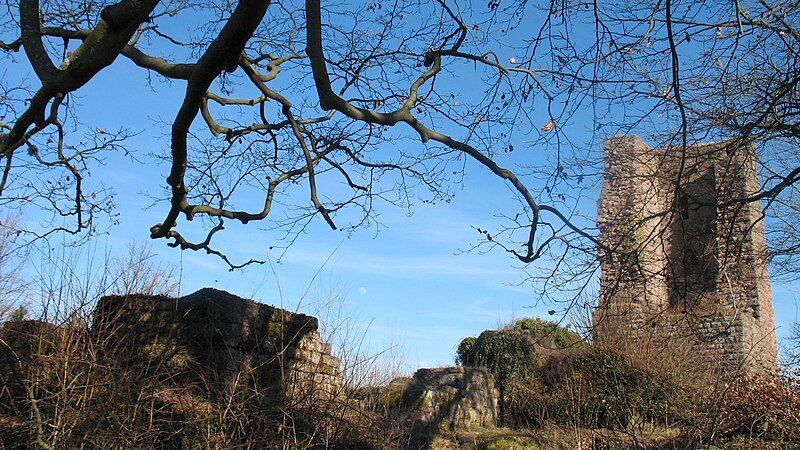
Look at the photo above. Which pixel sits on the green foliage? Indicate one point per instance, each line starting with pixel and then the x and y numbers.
pixel 562 337
pixel 19 314
pixel 465 350
pixel 546 373
pixel 503 352
pixel 512 354
pixel 512 348
pixel 590 388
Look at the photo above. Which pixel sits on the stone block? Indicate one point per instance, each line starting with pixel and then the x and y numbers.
pixel 446 398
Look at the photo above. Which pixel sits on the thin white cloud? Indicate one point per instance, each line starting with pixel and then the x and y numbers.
pixel 443 227
pixel 463 266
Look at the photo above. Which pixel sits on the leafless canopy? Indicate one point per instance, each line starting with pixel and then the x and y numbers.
pixel 366 103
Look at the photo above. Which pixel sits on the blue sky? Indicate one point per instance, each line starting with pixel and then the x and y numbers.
pixel 411 282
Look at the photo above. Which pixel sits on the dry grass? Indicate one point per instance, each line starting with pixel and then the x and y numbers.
pixel 67 384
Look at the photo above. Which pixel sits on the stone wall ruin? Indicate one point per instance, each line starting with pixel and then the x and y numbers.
pixel 688 262
pixel 218 336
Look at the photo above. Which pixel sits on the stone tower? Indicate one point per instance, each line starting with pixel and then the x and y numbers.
pixel 687 262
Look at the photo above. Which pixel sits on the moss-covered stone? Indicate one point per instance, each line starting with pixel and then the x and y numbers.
pixel 212 335
pixel 444 399
pixel 511 443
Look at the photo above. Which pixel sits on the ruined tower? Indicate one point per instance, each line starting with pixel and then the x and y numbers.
pixel 685 260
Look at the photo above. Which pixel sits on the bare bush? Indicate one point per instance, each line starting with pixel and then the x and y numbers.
pixel 60 383
pixel 72 383
pixel 762 407
pixel 70 387
pixel 793 347
pixel 67 281
pixel 12 285
pixel 135 272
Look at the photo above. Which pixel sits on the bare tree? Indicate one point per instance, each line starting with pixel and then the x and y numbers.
pixel 363 105
pixel 691 72
pixel 372 67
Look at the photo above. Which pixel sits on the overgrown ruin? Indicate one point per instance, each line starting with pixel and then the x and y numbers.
pixel 687 264
pixel 224 336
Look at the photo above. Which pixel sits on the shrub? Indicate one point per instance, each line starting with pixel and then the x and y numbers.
pixel 762 406
pixel 18 314
pixel 503 352
pixel 465 352
pixel 561 337
pixel 513 355
pixel 71 387
pixel 515 347
pixel 585 388
pixel 578 385
pixel 595 389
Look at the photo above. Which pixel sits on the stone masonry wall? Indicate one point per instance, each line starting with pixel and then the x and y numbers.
pixel 444 399
pixel 221 335
pixel 687 264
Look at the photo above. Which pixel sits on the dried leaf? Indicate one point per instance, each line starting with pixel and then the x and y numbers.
pixel 548 126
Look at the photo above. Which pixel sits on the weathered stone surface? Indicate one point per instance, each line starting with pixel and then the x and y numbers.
pixel 216 335
pixel 689 260
pixel 447 398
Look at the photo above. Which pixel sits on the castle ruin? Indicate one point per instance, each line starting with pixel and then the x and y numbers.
pixel 685 254
pixel 218 336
